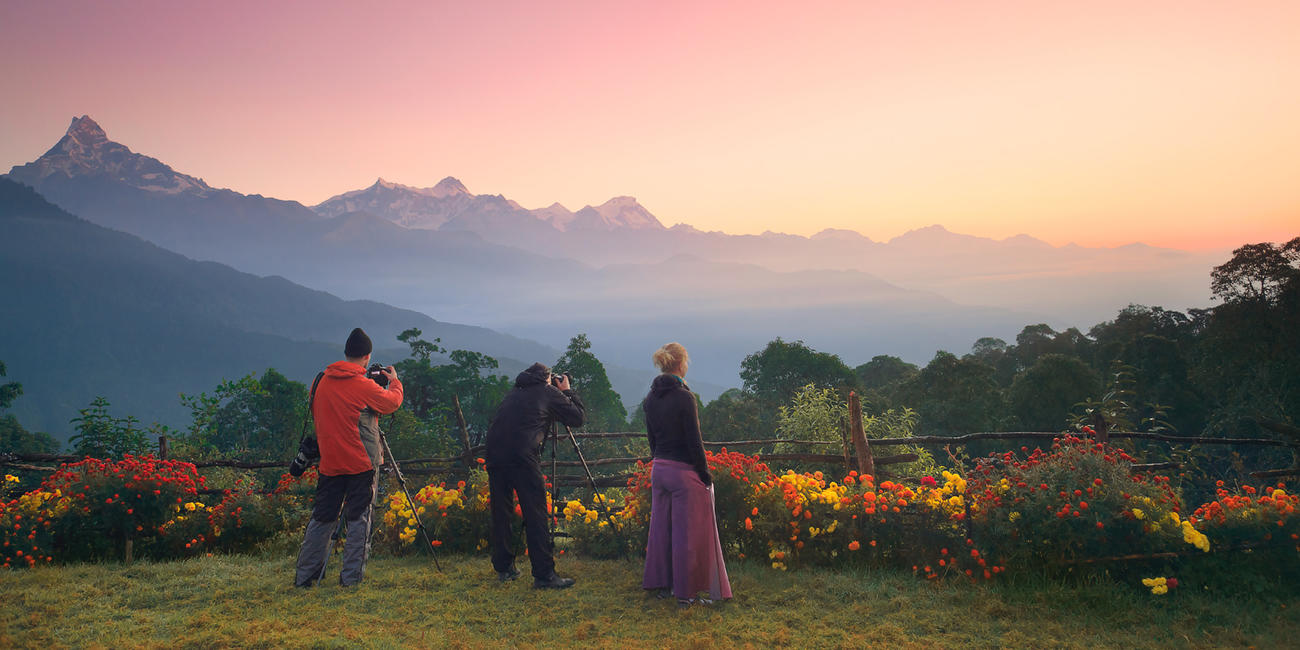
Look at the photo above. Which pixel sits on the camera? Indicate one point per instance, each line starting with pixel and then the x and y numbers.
pixel 376 373
pixel 308 454
pixel 556 379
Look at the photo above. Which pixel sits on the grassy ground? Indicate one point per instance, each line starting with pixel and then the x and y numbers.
pixel 248 601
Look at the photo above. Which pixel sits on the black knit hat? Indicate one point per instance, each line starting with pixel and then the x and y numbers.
pixel 358 345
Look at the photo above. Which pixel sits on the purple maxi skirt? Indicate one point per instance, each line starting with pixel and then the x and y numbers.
pixel 683 551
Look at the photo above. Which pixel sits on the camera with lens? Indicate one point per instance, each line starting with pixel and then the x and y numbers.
pixel 376 373
pixel 556 379
pixel 308 454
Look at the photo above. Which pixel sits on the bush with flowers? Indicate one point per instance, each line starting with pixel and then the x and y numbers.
pixel 792 519
pixel 89 509
pixel 601 528
pixel 1261 528
pixel 457 516
pixel 1077 501
pixel 1251 518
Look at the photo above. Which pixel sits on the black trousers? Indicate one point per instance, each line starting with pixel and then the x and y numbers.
pixel 351 493
pixel 526 481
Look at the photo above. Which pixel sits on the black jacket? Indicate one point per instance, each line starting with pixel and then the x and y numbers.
pixel 526 415
pixel 672 423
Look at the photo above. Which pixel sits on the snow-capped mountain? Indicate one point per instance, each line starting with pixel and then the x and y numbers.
pixel 413 207
pixel 618 212
pixel 555 214
pixel 449 204
pixel 85 150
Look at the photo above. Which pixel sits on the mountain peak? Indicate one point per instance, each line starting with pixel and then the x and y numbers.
pixel 618 212
pixel 86 131
pixel 449 186
pixel 85 150
pixel 620 201
pixel 840 234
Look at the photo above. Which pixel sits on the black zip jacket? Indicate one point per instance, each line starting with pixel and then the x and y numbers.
pixel 672 423
pixel 525 416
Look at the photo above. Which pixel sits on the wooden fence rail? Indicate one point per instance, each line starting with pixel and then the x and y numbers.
pixel 855 452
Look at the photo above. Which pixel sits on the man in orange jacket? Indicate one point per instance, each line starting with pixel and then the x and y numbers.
pixel 346 406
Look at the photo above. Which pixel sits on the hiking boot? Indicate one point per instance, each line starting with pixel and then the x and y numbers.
pixel 507 576
pixel 553 582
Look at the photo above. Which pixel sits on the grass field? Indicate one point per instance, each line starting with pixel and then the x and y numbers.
pixel 247 601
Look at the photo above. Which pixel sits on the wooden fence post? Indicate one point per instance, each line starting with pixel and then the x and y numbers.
pixel 866 464
pixel 464 433
pixel 844 441
pixel 162 447
pixel 1101 427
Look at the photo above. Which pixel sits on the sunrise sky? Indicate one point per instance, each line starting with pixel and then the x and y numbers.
pixel 1103 123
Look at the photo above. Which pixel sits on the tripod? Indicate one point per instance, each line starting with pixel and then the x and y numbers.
pixel 401 480
pixel 591 480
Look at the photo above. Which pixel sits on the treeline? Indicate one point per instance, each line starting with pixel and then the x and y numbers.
pixel 260 418
pixel 1230 370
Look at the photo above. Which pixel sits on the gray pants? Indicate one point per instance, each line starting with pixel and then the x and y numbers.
pixel 354 495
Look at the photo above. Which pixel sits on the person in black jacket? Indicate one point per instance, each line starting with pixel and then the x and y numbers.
pixel 683 551
pixel 514 466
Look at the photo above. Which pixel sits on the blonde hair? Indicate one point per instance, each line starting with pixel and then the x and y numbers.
pixel 671 357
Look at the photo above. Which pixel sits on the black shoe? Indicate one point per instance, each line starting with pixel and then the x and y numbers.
pixel 553 582
pixel 507 576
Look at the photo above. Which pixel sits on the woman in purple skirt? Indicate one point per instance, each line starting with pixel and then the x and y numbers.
pixel 683 552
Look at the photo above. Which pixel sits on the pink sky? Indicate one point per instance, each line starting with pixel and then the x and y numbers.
pixel 1173 123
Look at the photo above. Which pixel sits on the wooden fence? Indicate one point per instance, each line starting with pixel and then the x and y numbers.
pixel 853 452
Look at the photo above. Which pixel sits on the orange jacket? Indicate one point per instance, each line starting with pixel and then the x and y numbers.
pixel 341 396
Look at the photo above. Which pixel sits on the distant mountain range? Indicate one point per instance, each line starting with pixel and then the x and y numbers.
pixel 91 311
pixel 614 271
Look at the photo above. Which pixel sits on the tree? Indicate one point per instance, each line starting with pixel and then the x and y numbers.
pixel 13 437
pixel 470 379
pixel 1256 272
pixel 9 391
pixel 104 436
pixel 813 414
pixel 1042 396
pixel 1247 359
pixel 774 373
pixel 884 370
pixel 418 376
pixel 1120 405
pixel 250 418
pixel 431 390
pixel 734 415
pixel 605 410
pixel 953 396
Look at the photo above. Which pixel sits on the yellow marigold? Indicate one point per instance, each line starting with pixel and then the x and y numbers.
pixel 1137 512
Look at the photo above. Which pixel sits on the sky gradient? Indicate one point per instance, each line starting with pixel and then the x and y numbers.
pixel 1101 123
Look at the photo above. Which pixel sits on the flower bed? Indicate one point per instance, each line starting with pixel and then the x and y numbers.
pixel 1073 505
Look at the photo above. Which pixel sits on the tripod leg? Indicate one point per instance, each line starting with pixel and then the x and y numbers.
pixel 591 480
pixel 553 521
pixel 401 480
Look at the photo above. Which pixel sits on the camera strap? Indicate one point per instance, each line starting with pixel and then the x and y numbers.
pixel 311 402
